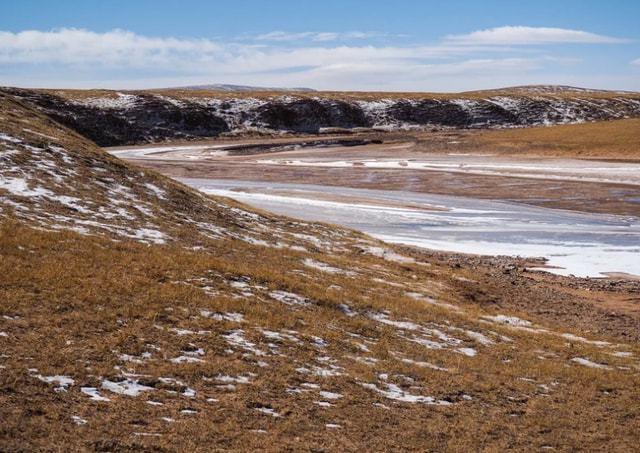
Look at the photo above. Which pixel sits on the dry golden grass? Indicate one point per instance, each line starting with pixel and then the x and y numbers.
pixel 618 139
pixel 340 95
pixel 75 303
pixel 98 307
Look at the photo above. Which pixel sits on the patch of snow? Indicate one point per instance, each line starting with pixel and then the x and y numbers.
pixel 469 352
pixel 288 298
pixel 8 138
pixel 267 411
pixel 347 310
pixel 122 101
pixel 508 320
pixel 20 187
pixel 309 262
pixel 127 387
pixel 182 332
pixel 232 379
pixel 186 359
pixel 572 337
pixel 323 403
pixel 384 319
pixel 422 364
pixel 64 382
pixel 93 393
pixel 135 359
pixel 479 337
pixel 236 338
pixel 589 363
pixel 229 316
pixel 78 420
pixel 330 395
pixel 393 392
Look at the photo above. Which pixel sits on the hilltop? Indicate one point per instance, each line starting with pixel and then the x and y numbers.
pixel 236 88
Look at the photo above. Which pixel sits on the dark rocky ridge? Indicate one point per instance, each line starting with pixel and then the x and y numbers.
pixel 115 119
pixel 151 118
pixel 309 115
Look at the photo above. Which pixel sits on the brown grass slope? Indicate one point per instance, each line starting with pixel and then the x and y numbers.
pixel 542 92
pixel 618 139
pixel 139 315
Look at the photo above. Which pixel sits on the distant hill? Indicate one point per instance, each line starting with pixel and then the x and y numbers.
pixel 553 89
pixel 240 88
pixel 135 117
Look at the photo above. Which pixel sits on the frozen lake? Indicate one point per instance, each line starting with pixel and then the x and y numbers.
pixel 585 245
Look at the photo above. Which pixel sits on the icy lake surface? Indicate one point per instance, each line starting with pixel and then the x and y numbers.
pixel 585 245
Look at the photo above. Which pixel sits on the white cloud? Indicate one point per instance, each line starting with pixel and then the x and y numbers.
pixel 636 62
pixel 283 36
pixel 122 59
pixel 69 45
pixel 519 35
pixel 119 48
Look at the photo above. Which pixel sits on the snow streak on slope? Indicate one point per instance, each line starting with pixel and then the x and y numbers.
pixel 56 180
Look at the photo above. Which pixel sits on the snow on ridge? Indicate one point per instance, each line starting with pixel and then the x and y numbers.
pixel 525 108
pixel 122 101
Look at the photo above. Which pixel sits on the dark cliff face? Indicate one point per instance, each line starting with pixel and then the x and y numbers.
pixel 309 115
pixel 451 114
pixel 150 118
pixel 143 118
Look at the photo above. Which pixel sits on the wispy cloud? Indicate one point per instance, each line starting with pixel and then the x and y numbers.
pixel 120 48
pixel 70 45
pixel 283 36
pixel 520 35
pixel 636 62
pixel 321 60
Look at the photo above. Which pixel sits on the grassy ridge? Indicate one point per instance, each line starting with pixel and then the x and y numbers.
pixel 618 139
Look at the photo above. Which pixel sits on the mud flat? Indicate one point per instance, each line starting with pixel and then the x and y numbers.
pixel 402 162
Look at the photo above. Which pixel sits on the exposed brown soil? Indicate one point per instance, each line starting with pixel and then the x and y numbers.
pixel 591 305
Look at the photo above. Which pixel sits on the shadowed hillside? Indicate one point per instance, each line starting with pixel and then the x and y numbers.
pixel 112 118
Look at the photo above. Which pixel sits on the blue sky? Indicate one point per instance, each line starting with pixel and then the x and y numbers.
pixel 353 45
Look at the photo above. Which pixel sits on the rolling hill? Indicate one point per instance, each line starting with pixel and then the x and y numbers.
pixel 139 314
